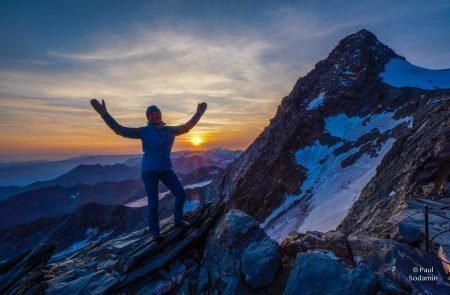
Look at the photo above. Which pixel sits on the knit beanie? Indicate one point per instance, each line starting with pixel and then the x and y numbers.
pixel 152 108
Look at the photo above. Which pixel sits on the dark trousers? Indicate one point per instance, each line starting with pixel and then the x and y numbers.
pixel 170 179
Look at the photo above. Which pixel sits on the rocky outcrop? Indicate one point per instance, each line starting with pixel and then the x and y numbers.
pixel 227 253
pixel 408 227
pixel 333 243
pixel 411 269
pixel 89 223
pixel 24 273
pixel 260 262
pixel 317 273
pixel 238 257
pixel 131 261
pixel 418 166
pixel 376 265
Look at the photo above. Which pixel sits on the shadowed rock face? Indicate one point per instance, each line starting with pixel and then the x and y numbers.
pixel 417 160
pixel 317 273
pixel 275 181
pixel 364 262
pixel 238 256
pixel 89 223
pixel 131 261
pixel 235 257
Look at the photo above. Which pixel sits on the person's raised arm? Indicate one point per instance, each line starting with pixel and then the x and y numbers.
pixel 128 132
pixel 184 128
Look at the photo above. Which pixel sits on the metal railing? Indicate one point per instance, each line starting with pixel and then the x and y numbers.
pixel 428 241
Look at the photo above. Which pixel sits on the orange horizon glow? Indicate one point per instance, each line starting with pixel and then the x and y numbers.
pixel 102 140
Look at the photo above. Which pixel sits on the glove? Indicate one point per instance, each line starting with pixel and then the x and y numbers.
pixel 100 108
pixel 201 108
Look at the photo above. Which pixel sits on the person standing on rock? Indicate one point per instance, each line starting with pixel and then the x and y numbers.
pixel 157 141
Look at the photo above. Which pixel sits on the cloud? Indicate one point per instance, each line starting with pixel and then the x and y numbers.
pixel 242 70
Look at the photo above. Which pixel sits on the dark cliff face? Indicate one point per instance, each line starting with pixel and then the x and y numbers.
pixel 417 166
pixel 345 115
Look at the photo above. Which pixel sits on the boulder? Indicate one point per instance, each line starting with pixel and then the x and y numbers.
pixel 260 262
pixel 333 241
pixel 414 270
pixel 317 273
pixel 408 233
pixel 233 245
pixel 301 242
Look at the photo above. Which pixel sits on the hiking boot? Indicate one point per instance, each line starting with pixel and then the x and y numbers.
pixel 183 225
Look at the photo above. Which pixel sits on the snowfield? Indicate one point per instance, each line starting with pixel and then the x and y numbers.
pixel 332 187
pixel 400 73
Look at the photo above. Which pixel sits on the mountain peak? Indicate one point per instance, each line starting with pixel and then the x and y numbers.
pixel 358 57
pixel 364 33
pixel 362 37
pixel 362 46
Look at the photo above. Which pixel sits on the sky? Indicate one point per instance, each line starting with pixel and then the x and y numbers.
pixel 240 57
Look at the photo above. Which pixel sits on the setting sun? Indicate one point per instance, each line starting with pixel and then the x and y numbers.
pixel 196 140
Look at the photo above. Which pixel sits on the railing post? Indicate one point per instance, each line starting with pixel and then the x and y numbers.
pixel 425 218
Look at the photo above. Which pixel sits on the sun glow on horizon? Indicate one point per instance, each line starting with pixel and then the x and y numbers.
pixel 197 140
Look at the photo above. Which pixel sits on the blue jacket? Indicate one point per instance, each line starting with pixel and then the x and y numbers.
pixel 157 140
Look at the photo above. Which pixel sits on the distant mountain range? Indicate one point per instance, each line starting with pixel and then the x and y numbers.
pixel 89 222
pixel 58 200
pixel 183 162
pixel 25 173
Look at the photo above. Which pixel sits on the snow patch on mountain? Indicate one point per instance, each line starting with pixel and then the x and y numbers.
pixel 351 128
pixel 400 73
pixel 334 188
pixel 316 101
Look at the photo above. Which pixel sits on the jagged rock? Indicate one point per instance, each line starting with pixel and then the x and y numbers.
pixel 158 288
pixel 13 272
pixel 398 262
pixel 333 241
pixel 301 242
pixel 260 262
pixel 234 234
pixel 412 165
pixel 237 229
pixel 407 233
pixel 317 273
pixel 389 287
pixel 130 262
pixel 31 283
pixel 177 272
pixel 90 283
pixel 202 280
pixel 185 288
pixel 412 229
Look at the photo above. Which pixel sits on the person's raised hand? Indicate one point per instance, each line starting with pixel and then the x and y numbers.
pixel 201 108
pixel 100 108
